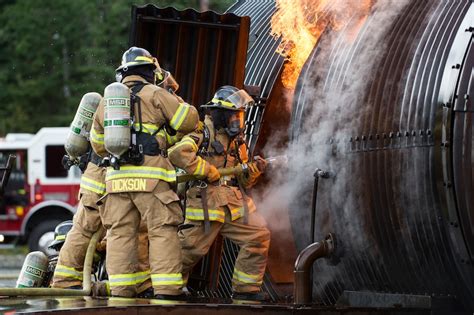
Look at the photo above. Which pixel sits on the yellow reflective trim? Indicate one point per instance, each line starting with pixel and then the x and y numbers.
pixel 96 183
pixel 92 185
pixel 128 278
pixel 60 237
pixel 185 141
pixel 122 276
pixel 67 275
pixel 141 172
pixel 125 279
pixel 167 279
pixel 197 214
pixel 107 288
pixel 223 103
pixel 147 128
pixel 178 117
pixel 172 139
pixel 236 210
pixel 69 268
pixel 97 137
pixel 200 167
pixel 68 272
pixel 237 213
pixel 144 58
pixel 247 278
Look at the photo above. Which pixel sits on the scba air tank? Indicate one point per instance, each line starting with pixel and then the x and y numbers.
pixel 77 143
pixel 33 271
pixel 117 134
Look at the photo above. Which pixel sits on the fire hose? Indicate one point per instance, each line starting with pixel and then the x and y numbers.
pixel 86 284
pixel 228 171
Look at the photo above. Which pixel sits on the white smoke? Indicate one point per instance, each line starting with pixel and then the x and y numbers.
pixel 331 116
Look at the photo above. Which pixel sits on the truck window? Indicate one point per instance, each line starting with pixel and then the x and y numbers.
pixel 16 190
pixel 54 167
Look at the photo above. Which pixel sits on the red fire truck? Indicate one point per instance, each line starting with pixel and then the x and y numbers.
pixel 40 192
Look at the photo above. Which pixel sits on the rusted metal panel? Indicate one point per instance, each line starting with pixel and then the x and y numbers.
pixel 202 50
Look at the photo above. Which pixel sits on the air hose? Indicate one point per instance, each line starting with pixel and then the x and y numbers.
pixel 86 284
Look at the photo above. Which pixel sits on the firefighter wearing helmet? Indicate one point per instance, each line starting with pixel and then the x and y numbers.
pixel 69 269
pixel 60 232
pixel 139 178
pixel 86 221
pixel 219 204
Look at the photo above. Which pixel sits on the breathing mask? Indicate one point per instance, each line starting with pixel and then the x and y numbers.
pixel 235 123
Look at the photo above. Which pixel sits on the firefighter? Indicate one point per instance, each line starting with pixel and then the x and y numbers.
pixel 142 188
pixel 86 222
pixel 220 205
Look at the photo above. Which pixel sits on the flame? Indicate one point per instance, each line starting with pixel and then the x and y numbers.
pixel 300 23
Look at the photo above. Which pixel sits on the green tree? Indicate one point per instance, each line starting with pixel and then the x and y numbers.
pixel 52 52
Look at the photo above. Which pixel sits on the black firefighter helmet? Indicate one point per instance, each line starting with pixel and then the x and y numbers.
pixel 227 109
pixel 60 233
pixel 231 98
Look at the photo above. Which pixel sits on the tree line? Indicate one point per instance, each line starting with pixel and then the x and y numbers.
pixel 52 52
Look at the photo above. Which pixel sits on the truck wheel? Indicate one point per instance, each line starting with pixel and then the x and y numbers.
pixel 41 236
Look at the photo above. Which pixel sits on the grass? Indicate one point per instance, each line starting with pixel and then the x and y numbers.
pixel 17 250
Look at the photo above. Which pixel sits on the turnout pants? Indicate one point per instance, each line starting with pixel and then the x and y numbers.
pixel 86 222
pixel 161 210
pixel 253 239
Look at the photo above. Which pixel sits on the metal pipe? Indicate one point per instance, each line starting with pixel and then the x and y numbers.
pixel 86 282
pixel 303 286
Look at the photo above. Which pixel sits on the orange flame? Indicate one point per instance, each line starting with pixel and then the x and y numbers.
pixel 300 23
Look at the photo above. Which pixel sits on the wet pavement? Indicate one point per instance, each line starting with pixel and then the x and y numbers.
pixel 10 266
pixel 8 277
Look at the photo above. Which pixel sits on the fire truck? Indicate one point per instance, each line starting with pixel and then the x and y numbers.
pixel 40 192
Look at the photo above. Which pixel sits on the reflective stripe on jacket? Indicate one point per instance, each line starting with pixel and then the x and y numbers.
pixel 93 180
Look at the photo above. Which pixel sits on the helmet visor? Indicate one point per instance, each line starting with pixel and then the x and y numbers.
pixel 240 99
pixel 169 83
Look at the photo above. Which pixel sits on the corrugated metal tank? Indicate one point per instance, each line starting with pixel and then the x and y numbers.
pixel 385 103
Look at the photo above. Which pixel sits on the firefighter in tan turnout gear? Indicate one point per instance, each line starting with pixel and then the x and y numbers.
pixel 86 221
pixel 138 181
pixel 222 201
pixel 69 269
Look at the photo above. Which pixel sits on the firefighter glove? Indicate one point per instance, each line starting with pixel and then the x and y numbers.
pixel 249 178
pixel 200 126
pixel 213 174
pixel 253 169
pixel 261 163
